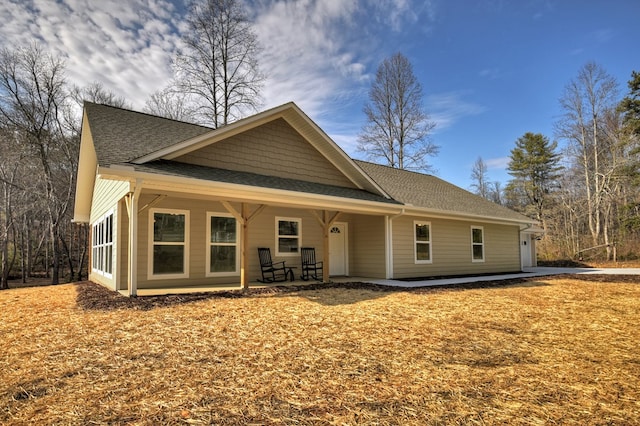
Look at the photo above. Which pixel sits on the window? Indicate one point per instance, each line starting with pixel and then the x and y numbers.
pixel 422 241
pixel 169 239
pixel 102 245
pixel 477 244
pixel 223 256
pixel 288 236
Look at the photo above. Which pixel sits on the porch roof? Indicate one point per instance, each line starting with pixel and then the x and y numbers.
pixel 192 171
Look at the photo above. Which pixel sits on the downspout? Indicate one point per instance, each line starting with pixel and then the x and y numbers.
pixel 388 242
pixel 132 273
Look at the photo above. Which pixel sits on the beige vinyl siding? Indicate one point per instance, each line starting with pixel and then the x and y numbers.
pixel 261 234
pixel 106 193
pixel 273 149
pixel 451 248
pixel 367 246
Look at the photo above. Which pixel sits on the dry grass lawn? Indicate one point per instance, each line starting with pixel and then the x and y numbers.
pixel 547 351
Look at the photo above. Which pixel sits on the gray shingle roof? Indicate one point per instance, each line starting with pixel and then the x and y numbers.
pixel 430 192
pixel 174 168
pixel 121 135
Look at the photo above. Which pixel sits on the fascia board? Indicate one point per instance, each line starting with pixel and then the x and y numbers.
pixel 86 174
pixel 247 193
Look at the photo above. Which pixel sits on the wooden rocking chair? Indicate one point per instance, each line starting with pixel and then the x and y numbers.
pixel 310 268
pixel 273 272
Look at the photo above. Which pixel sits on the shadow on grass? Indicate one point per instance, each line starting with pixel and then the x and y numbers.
pixel 92 296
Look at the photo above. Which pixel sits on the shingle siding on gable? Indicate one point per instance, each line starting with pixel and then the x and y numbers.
pixel 273 149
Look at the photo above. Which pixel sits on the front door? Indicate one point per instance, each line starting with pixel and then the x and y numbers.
pixel 338 249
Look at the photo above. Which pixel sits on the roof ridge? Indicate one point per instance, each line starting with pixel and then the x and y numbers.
pixel 129 110
pixel 397 168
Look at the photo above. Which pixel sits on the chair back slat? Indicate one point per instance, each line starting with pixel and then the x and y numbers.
pixel 308 255
pixel 265 256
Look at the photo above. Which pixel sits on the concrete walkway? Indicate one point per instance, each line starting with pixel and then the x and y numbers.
pixel 528 272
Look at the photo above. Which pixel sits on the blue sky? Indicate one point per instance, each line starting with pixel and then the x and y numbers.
pixel 491 70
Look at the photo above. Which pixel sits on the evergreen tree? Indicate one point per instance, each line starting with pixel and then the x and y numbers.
pixel 535 167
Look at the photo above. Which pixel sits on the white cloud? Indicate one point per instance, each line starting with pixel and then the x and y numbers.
pixel 318 53
pixel 445 109
pixel 500 163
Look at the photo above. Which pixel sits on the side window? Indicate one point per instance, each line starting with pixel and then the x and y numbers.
pixel 223 256
pixel 477 244
pixel 102 245
pixel 422 241
pixel 169 238
pixel 288 236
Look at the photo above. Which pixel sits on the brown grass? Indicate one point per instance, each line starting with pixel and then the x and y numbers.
pixel 546 351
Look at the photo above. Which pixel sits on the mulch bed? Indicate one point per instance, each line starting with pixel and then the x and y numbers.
pixel 93 296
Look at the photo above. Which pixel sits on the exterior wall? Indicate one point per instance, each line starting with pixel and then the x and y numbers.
pixel 273 149
pixel 262 233
pixel 366 246
pixel 122 260
pixel 106 194
pixel 451 248
pixel 95 276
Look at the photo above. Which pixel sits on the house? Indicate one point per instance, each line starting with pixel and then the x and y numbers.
pixel 174 205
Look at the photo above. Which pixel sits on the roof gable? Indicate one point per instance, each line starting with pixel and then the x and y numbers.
pixel 275 149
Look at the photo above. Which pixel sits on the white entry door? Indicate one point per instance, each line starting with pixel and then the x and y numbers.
pixel 338 249
pixel 525 250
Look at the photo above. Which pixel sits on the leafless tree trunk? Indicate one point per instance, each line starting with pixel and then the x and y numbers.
pixel 397 128
pixel 585 102
pixel 218 68
pixel 33 102
pixel 480 184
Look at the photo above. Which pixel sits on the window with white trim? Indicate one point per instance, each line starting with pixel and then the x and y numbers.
pixel 102 245
pixel 422 241
pixel 477 244
pixel 223 249
pixel 168 243
pixel 288 236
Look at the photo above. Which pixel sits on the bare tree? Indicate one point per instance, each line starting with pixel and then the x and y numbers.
pixel 480 184
pixel 218 67
pixel 397 126
pixel 33 102
pixel 170 103
pixel 585 103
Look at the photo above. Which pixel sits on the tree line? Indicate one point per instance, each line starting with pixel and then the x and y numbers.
pixel 584 194
pixel 217 81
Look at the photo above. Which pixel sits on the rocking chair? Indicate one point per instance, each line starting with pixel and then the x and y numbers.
pixel 310 268
pixel 273 271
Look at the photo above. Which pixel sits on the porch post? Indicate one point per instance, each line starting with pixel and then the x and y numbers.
pixel 325 246
pixel 132 276
pixel 244 280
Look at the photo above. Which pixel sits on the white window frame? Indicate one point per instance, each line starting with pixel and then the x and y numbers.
pixel 416 242
pixel 278 236
pixel 185 243
pixel 101 244
pixel 209 244
pixel 473 244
